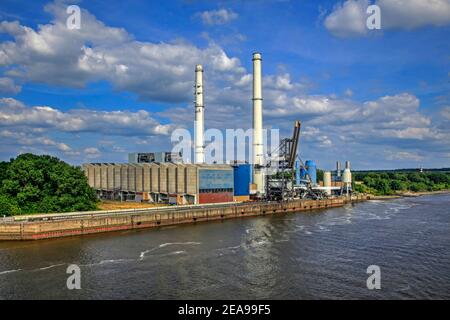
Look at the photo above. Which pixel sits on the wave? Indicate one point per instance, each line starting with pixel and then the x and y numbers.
pixel 52 266
pixel 229 248
pixel 143 253
pixel 9 271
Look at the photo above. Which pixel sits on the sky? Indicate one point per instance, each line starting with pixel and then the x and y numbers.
pixel 124 80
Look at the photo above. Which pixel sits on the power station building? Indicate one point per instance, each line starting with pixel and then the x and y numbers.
pixel 162 177
pixel 167 182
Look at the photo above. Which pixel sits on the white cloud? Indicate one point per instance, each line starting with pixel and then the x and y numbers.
pixel 15 114
pixel 53 54
pixel 92 153
pixel 217 17
pixel 348 19
pixel 7 85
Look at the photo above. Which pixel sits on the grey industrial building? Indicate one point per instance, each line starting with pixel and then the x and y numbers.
pixel 162 182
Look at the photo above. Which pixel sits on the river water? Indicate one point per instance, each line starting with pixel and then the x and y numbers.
pixel 319 255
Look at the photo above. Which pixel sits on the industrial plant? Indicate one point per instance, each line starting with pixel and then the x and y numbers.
pixel 163 177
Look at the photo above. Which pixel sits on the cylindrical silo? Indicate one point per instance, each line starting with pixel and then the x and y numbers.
pixel 347 176
pixel 327 182
pixel 312 170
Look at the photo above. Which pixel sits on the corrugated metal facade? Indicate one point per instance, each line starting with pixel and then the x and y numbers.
pixel 146 177
pixel 157 181
pixel 191 179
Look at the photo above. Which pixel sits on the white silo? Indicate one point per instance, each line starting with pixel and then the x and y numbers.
pixel 347 177
pixel 327 182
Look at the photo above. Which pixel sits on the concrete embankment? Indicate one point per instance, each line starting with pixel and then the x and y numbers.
pixel 51 226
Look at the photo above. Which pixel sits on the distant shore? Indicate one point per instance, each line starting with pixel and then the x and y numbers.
pixel 407 194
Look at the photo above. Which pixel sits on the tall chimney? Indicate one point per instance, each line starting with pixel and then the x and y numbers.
pixel 199 116
pixel 338 169
pixel 258 174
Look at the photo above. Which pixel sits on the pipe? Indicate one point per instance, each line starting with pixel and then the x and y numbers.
pixel 258 175
pixel 199 116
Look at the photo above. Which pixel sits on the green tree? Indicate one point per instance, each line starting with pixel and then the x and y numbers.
pixel 46 184
pixel 8 206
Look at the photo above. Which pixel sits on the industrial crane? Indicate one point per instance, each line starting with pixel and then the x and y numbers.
pixel 280 186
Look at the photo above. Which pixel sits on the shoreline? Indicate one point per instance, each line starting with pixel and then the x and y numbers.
pixel 407 194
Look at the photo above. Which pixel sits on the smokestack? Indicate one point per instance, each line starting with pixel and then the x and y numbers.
pixel 338 169
pixel 199 116
pixel 258 177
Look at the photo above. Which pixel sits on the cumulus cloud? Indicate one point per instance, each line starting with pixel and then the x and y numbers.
pixel 15 114
pixel 45 129
pixel 348 19
pixel 217 17
pixel 54 55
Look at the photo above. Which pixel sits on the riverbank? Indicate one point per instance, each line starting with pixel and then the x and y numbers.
pixel 405 194
pixel 70 224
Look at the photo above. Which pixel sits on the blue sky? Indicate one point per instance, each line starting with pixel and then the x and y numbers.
pixel 123 82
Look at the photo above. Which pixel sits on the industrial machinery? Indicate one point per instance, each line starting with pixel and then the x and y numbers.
pixel 280 184
pixel 293 179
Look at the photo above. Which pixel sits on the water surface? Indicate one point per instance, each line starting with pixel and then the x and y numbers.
pixel 319 255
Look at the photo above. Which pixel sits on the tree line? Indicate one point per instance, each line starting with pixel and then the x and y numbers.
pixel 42 184
pixel 388 183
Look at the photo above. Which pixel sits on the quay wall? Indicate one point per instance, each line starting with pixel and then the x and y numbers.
pixel 34 230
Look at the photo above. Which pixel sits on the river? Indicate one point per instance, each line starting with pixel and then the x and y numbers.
pixel 318 255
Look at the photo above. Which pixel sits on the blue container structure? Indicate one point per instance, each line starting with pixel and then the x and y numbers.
pixel 242 179
pixel 312 170
pixel 303 173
